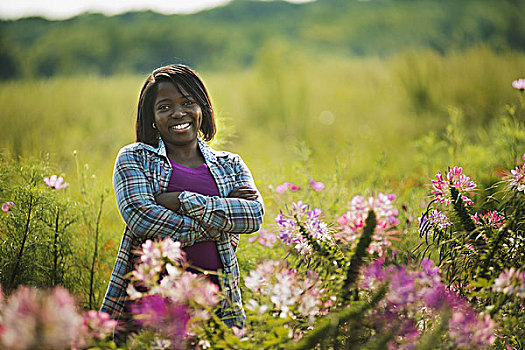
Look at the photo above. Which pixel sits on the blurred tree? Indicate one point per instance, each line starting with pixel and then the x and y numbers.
pixel 232 35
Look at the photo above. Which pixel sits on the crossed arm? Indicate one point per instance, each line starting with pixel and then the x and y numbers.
pixel 171 200
pixel 197 217
pixel 240 212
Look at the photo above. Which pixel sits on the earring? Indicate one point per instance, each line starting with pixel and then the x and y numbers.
pixel 154 125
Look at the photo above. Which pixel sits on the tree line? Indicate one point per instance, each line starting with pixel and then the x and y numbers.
pixel 231 36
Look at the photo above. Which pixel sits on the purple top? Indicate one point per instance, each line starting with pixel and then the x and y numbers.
pixel 199 180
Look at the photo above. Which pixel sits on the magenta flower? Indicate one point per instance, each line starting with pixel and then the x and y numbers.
pixel 317 186
pixel 454 177
pixel 264 238
pixel 162 273
pixel 490 218
pixel 471 332
pixel 161 314
pixel 519 84
pixel 286 186
pixel 6 207
pixel 55 182
pixel 402 288
pixel 421 294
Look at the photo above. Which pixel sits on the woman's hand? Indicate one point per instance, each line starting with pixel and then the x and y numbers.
pixel 169 200
pixel 243 192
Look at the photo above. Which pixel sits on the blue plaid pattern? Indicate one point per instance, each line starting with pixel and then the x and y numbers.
pixel 141 172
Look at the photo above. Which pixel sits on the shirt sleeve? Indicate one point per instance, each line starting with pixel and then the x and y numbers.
pixel 144 217
pixel 232 215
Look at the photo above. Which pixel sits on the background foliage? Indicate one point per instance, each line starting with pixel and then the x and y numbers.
pixel 232 36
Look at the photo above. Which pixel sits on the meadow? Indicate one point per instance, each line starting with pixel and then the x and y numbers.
pixel 359 125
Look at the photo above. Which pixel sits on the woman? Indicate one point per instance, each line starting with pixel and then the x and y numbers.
pixel 171 184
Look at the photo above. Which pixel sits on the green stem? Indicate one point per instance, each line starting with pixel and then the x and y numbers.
pixel 55 250
pixel 95 254
pixel 359 253
pixel 462 212
pixel 21 251
pixel 498 239
pixel 332 321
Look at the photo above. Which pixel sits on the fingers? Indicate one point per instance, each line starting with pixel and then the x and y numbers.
pixel 243 192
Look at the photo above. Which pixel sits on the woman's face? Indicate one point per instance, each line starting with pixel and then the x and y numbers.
pixel 177 115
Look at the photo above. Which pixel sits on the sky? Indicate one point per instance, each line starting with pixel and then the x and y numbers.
pixel 61 9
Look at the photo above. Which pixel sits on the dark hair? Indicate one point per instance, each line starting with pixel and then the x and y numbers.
pixel 182 77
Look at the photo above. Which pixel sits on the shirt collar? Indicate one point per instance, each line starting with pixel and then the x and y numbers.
pixel 210 155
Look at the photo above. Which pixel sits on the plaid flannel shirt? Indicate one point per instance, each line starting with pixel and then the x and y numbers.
pixel 141 172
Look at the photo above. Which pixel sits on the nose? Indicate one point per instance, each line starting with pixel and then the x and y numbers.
pixel 179 112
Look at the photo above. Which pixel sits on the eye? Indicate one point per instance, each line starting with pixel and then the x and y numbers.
pixel 163 107
pixel 188 103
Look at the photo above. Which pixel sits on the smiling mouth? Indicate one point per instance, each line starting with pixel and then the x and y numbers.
pixel 179 127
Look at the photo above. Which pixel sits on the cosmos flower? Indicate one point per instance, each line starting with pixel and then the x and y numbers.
pixel 519 84
pixel 264 238
pixel 317 186
pixel 55 182
pixel 286 186
pixel 6 207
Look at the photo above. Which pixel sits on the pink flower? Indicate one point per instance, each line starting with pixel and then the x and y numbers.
pixel 55 182
pixel 353 221
pixel 97 325
pixel 510 282
pixel 238 332
pixel 265 238
pixel 454 177
pixel 317 186
pixel 286 186
pixel 33 319
pixel 290 292
pixel 517 178
pixel 6 207
pixel 490 218
pixel 519 84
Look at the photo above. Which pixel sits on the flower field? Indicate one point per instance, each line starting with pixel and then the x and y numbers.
pixel 395 203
